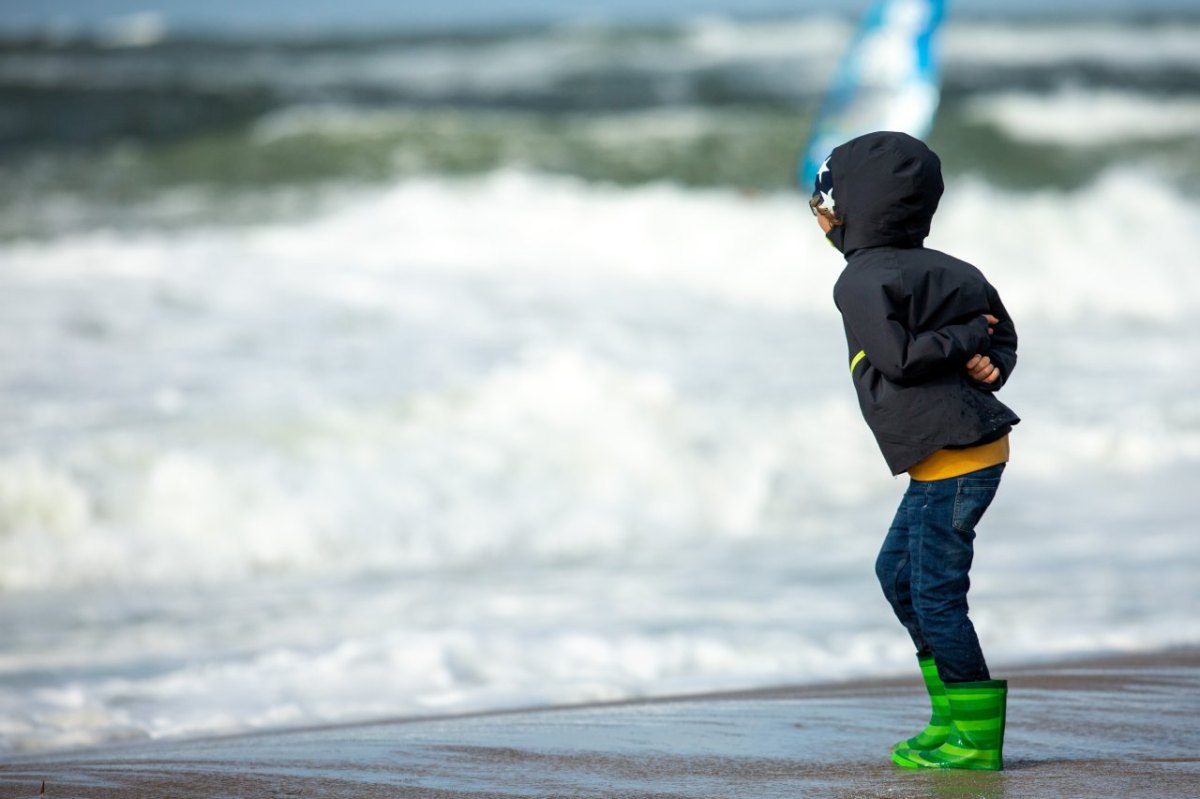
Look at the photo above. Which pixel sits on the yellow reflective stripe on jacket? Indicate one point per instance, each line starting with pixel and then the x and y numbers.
pixel 854 361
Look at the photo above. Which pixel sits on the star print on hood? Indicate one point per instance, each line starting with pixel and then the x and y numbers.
pixel 823 188
pixel 887 186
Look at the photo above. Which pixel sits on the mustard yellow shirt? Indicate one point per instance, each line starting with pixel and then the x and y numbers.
pixel 946 463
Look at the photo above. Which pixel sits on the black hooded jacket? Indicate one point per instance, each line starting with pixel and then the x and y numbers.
pixel 913 316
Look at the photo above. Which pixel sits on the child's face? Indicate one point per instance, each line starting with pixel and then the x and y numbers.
pixel 824 223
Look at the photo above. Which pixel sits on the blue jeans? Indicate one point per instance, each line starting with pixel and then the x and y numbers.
pixel 924 563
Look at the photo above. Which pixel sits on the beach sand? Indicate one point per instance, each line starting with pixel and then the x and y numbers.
pixel 1125 726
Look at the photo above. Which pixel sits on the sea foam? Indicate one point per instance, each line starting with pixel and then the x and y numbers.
pixel 453 369
pixel 1079 118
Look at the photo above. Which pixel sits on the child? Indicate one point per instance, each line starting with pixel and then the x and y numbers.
pixel 930 342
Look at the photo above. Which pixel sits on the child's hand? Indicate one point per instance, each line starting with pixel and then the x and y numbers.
pixel 982 369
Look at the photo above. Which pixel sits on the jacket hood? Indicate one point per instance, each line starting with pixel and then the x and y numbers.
pixel 886 188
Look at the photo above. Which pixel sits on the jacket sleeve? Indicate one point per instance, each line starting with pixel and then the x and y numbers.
pixel 900 355
pixel 1003 351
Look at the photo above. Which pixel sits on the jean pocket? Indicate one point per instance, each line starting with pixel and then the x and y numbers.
pixel 971 500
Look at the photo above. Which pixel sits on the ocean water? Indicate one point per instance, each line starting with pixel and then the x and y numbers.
pixel 352 378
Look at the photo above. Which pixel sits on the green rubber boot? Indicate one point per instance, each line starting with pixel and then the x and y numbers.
pixel 976 738
pixel 938 729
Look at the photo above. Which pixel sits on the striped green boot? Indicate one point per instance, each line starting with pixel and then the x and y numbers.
pixel 938 729
pixel 976 738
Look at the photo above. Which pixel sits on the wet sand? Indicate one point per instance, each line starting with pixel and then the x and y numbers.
pixel 1125 726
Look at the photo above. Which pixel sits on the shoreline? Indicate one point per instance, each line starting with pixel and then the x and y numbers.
pixel 1115 725
pixel 1186 654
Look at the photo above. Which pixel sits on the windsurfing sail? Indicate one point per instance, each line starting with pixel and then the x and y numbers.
pixel 887 80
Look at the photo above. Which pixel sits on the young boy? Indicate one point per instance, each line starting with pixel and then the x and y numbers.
pixel 930 342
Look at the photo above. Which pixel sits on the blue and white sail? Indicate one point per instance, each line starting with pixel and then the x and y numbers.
pixel 887 80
